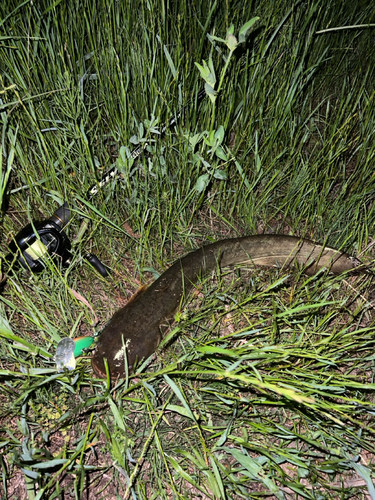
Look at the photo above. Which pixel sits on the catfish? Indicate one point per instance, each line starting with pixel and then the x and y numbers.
pixel 135 330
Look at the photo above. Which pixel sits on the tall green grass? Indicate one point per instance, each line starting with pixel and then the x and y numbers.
pixel 264 386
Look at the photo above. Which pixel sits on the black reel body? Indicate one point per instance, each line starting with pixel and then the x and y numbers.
pixel 35 242
pixel 39 241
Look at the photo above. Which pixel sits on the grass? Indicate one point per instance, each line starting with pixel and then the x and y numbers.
pixel 264 387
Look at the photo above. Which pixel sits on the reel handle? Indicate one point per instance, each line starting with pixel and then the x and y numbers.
pixel 97 264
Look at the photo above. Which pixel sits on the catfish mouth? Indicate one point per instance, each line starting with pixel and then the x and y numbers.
pixel 95 366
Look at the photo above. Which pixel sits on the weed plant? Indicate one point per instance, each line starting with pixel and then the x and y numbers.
pixel 264 386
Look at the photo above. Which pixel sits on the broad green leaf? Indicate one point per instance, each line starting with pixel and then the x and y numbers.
pixel 202 183
pixel 232 42
pixel 210 140
pixel 221 175
pixel 194 139
pixel 230 30
pixel 245 28
pixel 207 73
pixel 219 135
pixel 219 152
pixel 210 92
pixel 30 473
pixel 204 70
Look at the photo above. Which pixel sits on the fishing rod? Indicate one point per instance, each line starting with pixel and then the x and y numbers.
pixel 41 240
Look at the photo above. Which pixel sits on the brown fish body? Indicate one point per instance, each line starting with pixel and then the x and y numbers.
pixel 135 330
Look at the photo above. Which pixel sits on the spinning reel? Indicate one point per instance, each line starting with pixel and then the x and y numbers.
pixel 41 240
pixel 38 241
